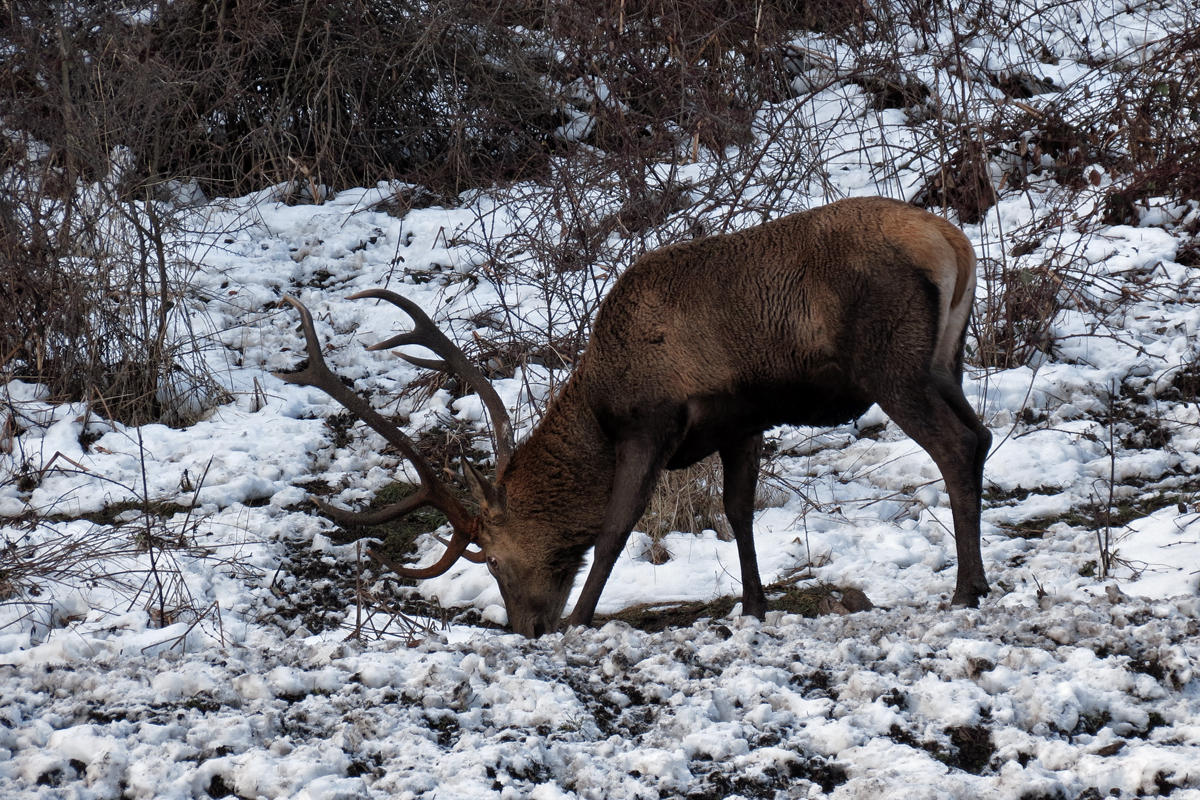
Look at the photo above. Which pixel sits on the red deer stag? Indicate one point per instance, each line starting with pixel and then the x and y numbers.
pixel 698 348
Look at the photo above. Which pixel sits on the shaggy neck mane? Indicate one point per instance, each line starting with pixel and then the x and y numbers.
pixel 564 470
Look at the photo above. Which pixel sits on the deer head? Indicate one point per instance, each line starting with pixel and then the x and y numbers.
pixel 534 591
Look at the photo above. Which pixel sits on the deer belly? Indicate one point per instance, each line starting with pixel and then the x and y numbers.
pixel 719 420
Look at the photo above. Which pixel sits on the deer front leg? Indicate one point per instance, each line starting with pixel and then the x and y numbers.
pixel 740 465
pixel 637 471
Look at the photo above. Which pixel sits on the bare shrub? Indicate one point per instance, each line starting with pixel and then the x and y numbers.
pixel 137 563
pixel 646 72
pixel 1155 117
pixel 93 281
pixel 991 128
pixel 94 295
pixel 1014 324
pixel 963 183
pixel 455 94
pixel 329 93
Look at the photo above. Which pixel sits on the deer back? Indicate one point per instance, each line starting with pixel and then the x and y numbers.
pixel 800 320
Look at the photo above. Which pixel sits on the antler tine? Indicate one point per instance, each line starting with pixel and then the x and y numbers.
pixel 474 556
pixel 454 550
pixel 426 363
pixel 428 335
pixel 319 376
pixel 432 492
pixel 365 519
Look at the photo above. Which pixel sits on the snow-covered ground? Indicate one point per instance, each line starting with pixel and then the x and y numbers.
pixel 204 665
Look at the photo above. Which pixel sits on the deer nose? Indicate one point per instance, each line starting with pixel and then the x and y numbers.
pixel 538 629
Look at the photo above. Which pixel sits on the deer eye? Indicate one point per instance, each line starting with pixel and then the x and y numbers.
pixel 492 564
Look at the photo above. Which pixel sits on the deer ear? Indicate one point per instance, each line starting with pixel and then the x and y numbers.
pixel 483 490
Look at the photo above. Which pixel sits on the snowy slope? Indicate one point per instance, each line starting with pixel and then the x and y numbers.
pixel 207 666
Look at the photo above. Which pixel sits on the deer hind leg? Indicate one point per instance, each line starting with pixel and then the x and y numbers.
pixel 936 415
pixel 953 395
pixel 639 460
pixel 739 462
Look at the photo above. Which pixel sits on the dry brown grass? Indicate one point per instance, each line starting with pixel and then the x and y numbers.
pixel 689 500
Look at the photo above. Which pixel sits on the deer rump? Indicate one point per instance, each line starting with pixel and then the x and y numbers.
pixel 701 346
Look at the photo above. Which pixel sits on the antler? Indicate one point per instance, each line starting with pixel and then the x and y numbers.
pixel 432 492
pixel 426 334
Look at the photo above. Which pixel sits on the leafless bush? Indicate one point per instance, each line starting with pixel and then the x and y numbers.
pixel 454 93
pixel 93 282
pixel 990 128
pixel 1018 311
pixel 319 93
pixel 135 564
pixel 1156 117
pixel 94 295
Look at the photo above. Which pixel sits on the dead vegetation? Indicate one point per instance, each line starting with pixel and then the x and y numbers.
pixel 690 501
